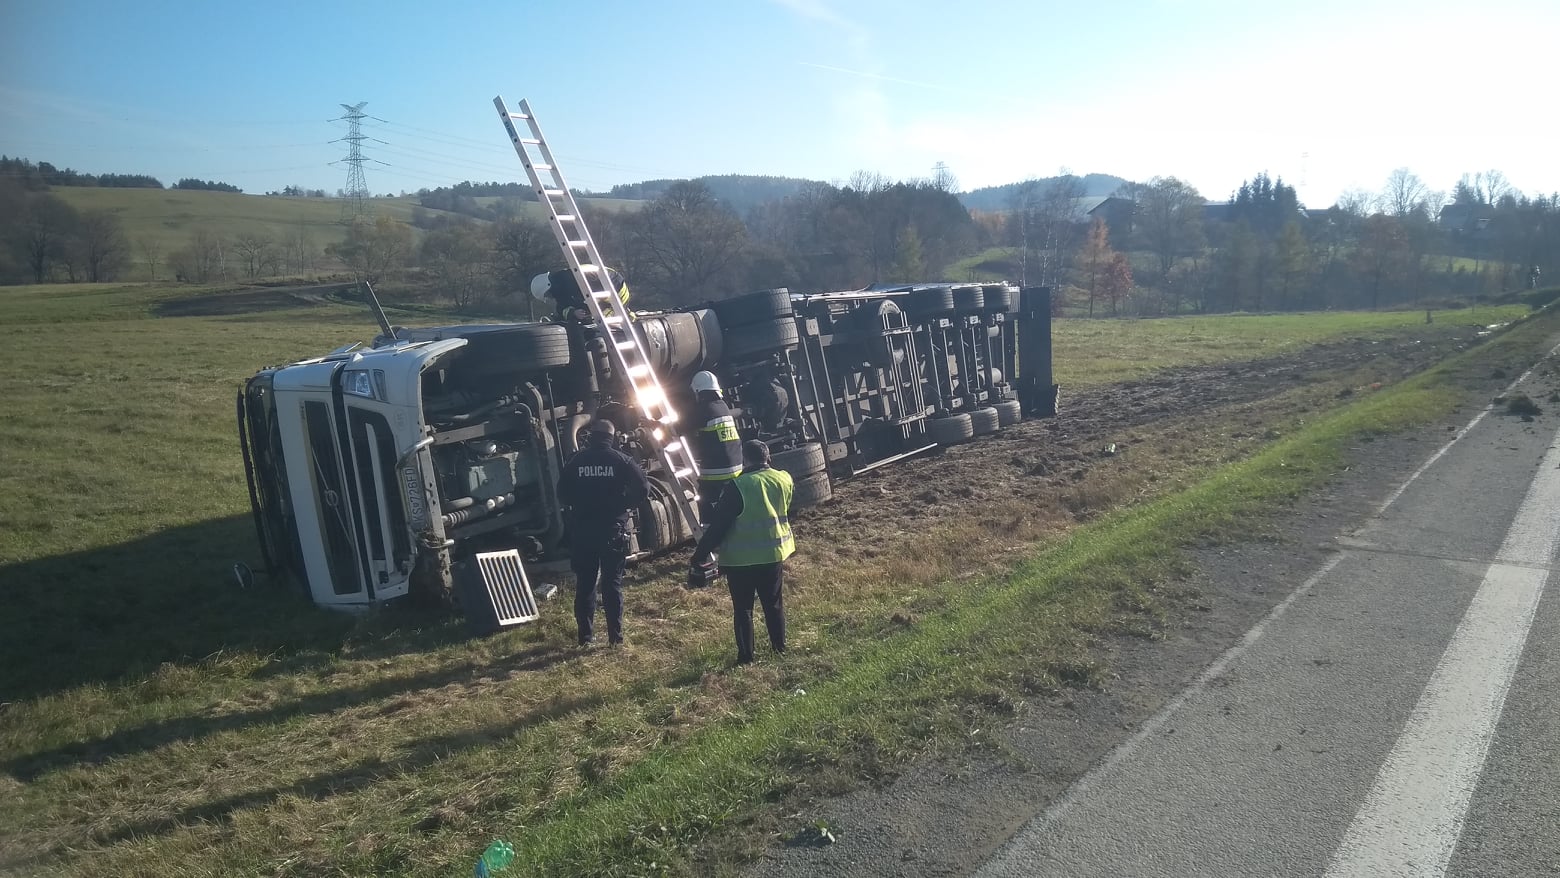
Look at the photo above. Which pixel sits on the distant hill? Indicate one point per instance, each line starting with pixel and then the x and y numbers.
pixel 1001 197
pixel 741 191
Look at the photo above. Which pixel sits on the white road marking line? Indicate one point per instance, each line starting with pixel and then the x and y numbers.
pixel 997 864
pixel 1127 748
pixel 1460 433
pixel 1414 813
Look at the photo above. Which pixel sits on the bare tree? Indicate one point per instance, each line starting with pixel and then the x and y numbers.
pixel 1169 221
pixel 256 250
pixel 100 243
pixel 1405 194
pixel 374 248
pixel 1491 186
pixel 151 255
pixel 685 240
pixel 46 230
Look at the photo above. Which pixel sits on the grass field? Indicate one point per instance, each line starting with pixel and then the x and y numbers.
pixel 162 722
pixel 169 217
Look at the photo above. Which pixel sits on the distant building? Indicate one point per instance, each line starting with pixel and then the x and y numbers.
pixel 1465 219
pixel 1116 212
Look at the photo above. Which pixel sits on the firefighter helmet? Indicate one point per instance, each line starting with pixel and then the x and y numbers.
pixel 705 381
pixel 540 285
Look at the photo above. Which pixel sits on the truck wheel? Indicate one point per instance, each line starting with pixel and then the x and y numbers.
pixel 929 302
pixel 951 430
pixel 811 491
pixel 985 421
pixel 998 298
pixel 800 462
pixel 1010 412
pixel 750 342
pixel 967 300
pixel 754 308
pixel 524 348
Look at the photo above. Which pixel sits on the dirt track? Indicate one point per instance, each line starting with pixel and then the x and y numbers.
pixel 1054 453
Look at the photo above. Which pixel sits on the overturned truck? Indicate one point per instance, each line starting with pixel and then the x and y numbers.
pixel 380 471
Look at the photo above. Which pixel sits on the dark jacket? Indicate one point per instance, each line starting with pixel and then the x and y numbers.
pixel 727 509
pixel 600 485
pixel 717 447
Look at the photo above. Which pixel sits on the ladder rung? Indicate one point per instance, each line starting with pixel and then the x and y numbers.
pixel 531 140
pixel 552 193
pixel 627 345
pixel 586 267
pixel 639 370
pixel 602 294
pixel 579 243
pixel 521 116
pixel 685 471
pixel 542 166
pixel 565 217
pixel 612 319
pixel 674 447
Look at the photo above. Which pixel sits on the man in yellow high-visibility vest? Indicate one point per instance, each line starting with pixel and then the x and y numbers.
pixel 751 526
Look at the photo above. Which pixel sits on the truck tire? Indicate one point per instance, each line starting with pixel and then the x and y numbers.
pixel 1010 412
pixel 929 302
pixel 811 491
pixel 951 429
pixel 524 348
pixel 800 462
pixel 998 298
pixel 754 308
pixel 750 342
pixel 968 300
pixel 985 421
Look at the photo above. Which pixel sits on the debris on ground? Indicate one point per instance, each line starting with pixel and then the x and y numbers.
pixel 1520 404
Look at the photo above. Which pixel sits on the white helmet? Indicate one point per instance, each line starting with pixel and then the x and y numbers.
pixel 705 381
pixel 540 285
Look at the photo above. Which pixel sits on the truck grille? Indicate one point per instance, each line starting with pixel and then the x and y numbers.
pixel 503 581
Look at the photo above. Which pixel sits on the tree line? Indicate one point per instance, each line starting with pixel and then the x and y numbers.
pixel 1158 247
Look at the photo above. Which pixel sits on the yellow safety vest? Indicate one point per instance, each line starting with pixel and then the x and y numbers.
pixel 762 533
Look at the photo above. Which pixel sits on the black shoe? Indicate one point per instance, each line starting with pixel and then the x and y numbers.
pixel 587 641
pixel 615 641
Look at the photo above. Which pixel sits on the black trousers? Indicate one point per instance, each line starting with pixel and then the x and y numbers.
pixel 598 566
pixel 764 581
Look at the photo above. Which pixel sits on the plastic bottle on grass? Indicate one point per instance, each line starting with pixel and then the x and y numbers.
pixel 495 859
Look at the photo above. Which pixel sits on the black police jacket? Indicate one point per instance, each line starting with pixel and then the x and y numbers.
pixel 601 485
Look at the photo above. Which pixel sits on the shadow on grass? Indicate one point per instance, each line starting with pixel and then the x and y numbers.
pixel 317 787
pixel 118 612
pixel 189 728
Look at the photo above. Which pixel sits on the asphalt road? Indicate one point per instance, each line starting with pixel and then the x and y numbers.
pixel 1398 713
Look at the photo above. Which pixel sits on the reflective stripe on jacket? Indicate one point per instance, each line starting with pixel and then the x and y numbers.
pixel 762 532
pixel 718 446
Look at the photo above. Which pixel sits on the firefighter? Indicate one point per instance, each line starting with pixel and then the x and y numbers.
pixel 752 528
pixel 718 448
pixel 599 487
pixel 564 291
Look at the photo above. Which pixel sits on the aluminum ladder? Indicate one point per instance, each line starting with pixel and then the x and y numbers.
pixel 625 342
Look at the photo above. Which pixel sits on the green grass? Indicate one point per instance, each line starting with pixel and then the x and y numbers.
pixel 1092 352
pixel 979 266
pixel 163 722
pixel 169 217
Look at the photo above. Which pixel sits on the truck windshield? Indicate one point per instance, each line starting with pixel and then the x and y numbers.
pixel 268 495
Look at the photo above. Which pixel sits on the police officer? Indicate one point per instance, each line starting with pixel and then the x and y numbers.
pixel 717 448
pixel 600 485
pixel 752 528
pixel 561 287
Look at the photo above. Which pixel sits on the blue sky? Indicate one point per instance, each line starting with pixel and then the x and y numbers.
pixel 1330 95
